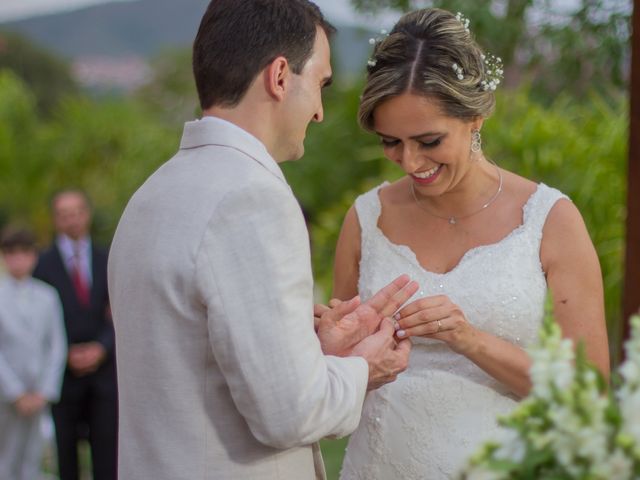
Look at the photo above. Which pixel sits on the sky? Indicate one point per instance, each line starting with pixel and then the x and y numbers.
pixel 337 11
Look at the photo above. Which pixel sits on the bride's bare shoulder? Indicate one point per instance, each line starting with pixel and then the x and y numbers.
pixel 396 192
pixel 517 187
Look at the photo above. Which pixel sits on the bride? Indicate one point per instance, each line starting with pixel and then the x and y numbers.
pixel 485 245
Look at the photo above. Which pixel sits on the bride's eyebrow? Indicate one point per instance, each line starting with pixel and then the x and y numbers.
pixel 413 137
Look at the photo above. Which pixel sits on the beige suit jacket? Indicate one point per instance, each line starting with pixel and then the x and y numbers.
pixel 220 372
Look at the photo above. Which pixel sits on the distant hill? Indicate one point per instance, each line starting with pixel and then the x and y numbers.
pixel 145 27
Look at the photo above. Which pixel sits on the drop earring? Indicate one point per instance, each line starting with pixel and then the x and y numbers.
pixel 476 141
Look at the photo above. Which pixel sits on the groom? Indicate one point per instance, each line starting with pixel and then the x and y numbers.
pixel 221 374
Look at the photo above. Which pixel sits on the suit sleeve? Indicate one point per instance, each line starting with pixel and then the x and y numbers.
pixel 53 370
pixel 254 274
pixel 107 335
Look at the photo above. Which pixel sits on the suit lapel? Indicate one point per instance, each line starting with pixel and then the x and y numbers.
pixel 60 270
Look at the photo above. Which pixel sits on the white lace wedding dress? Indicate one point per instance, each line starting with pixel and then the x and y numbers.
pixel 428 422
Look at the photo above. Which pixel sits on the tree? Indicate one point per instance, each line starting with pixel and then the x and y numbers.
pixel 586 48
pixel 171 93
pixel 48 76
pixel 106 147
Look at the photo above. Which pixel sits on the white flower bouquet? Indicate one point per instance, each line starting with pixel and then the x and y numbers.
pixel 570 426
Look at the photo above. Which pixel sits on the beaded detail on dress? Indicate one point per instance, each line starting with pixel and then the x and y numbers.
pixel 427 423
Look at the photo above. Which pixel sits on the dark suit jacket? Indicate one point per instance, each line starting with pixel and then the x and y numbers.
pixel 82 324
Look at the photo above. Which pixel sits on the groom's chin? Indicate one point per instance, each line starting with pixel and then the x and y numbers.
pixel 297 154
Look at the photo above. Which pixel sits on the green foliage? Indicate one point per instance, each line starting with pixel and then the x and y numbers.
pixel 375 5
pixel 48 77
pixel 589 51
pixel 332 454
pixel 171 94
pixel 586 47
pixel 107 148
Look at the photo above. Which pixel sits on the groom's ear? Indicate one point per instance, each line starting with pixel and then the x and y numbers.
pixel 276 77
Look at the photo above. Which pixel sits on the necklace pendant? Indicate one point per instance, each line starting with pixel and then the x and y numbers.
pixel 452 220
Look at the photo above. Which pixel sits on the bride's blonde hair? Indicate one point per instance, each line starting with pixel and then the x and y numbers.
pixel 429 52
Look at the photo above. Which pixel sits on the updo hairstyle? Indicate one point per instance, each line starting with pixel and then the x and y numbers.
pixel 418 57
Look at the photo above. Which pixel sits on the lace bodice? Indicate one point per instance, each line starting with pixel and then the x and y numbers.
pixel 424 425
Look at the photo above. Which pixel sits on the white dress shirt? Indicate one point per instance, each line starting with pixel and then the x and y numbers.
pixel 70 249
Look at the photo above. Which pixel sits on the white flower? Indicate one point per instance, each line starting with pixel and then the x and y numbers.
pixel 512 447
pixel 616 466
pixel 553 365
pixel 567 422
pixel 630 371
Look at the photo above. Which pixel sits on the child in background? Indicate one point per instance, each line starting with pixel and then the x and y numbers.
pixel 32 357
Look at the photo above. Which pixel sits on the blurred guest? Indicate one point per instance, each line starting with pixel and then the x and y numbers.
pixel 32 357
pixel 77 269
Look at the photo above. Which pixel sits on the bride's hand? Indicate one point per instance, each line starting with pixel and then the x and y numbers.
pixel 437 317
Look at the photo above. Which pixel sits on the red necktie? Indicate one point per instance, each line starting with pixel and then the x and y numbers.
pixel 79 283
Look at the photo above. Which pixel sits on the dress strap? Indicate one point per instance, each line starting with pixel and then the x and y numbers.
pixel 368 209
pixel 538 206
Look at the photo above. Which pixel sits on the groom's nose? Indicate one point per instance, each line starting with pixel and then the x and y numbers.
pixel 319 115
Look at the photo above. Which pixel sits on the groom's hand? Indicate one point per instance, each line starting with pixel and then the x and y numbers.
pixel 342 327
pixel 319 309
pixel 385 357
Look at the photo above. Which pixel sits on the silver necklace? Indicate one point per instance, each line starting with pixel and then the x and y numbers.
pixel 453 219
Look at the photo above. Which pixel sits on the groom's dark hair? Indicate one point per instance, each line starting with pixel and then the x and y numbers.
pixel 239 38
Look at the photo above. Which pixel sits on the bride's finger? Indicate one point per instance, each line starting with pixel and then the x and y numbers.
pixel 395 301
pixel 422 304
pixel 430 329
pixel 400 298
pixel 427 315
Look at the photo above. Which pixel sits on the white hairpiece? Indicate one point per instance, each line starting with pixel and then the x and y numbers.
pixel 373 41
pixel 459 71
pixel 464 21
pixel 493 71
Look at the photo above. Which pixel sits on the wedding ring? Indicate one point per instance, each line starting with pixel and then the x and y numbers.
pixel 439 326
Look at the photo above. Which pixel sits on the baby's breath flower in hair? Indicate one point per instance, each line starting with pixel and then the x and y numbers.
pixel 493 72
pixel 459 71
pixel 374 41
pixel 463 20
pixel 493 65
